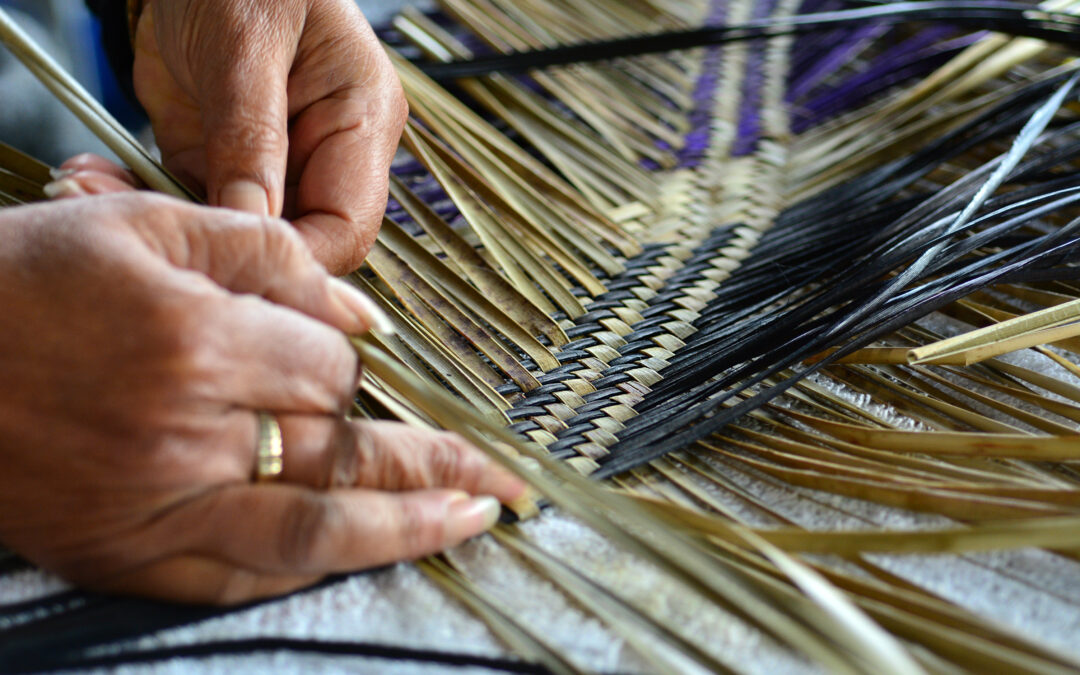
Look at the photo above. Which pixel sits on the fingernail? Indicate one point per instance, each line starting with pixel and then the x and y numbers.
pixel 245 196
pixel 61 174
pixel 469 517
pixel 63 188
pixel 363 307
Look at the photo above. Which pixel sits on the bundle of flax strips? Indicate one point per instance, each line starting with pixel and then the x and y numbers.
pixel 783 331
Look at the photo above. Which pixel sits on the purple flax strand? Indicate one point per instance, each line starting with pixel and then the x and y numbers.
pixel 749 127
pixel 886 71
pixel 700 134
pixel 845 49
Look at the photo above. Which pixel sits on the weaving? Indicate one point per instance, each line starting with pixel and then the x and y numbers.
pixel 837 262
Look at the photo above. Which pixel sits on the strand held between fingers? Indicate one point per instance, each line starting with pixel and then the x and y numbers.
pixel 363 307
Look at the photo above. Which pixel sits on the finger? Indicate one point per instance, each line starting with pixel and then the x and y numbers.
pixel 349 111
pixel 260 256
pixel 345 146
pixel 289 530
pixel 321 451
pixel 269 357
pixel 98 164
pixel 202 580
pixel 171 107
pixel 84 183
pixel 326 452
pixel 242 94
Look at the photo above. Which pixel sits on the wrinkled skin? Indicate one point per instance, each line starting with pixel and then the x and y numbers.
pixel 139 337
pixel 286 107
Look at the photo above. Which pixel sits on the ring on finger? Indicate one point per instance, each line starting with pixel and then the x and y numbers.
pixel 269 449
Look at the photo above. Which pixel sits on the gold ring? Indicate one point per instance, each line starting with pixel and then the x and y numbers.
pixel 268 449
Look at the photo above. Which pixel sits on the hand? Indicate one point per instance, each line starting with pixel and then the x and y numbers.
pixel 286 107
pixel 138 338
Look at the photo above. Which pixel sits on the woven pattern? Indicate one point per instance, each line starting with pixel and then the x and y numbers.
pixel 725 186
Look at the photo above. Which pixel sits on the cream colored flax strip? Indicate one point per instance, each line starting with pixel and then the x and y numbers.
pixel 630 622
pixel 1049 325
pixel 518 638
pixel 833 625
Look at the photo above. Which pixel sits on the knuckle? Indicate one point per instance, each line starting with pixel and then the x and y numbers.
pixel 331 368
pixel 365 453
pixel 148 206
pixel 345 369
pixel 419 534
pixel 284 248
pixel 377 109
pixel 246 131
pixel 188 340
pixel 305 531
pixel 397 104
pixel 379 93
pixel 382 466
pixel 454 463
pixel 344 455
pixel 353 244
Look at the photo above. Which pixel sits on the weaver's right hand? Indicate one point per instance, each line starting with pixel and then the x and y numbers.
pixel 140 337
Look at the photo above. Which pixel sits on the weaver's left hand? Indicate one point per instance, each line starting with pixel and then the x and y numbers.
pixel 151 351
pixel 282 107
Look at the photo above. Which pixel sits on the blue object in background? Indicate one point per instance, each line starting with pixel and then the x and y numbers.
pixel 31 119
pixel 78 31
pixel 114 99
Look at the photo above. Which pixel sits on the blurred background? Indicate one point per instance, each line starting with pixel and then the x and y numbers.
pixel 31 120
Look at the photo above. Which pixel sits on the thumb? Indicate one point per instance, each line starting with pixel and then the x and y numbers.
pixel 243 98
